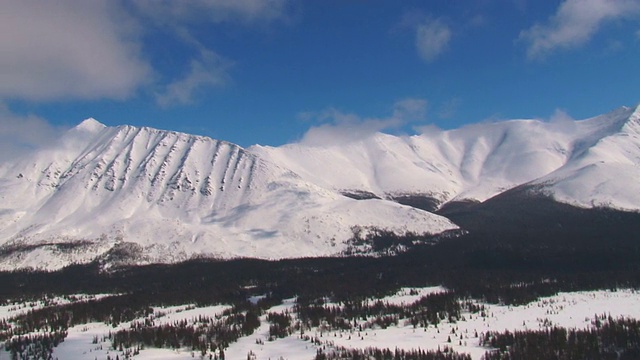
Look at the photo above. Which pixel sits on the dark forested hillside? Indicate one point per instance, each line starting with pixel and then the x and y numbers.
pixel 511 255
pixel 547 245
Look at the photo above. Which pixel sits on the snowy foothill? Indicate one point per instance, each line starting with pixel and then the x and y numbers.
pixel 569 310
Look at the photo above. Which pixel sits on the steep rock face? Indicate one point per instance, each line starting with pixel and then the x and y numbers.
pixel 161 196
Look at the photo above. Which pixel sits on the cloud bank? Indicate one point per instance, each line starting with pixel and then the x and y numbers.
pixel 68 49
pixel 86 50
pixel 574 24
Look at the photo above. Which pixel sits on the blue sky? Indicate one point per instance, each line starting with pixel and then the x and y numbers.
pixel 268 71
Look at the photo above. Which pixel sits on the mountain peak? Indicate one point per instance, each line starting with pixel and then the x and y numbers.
pixel 633 121
pixel 636 114
pixel 90 125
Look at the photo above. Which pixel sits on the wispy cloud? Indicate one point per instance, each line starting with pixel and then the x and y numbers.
pixel 432 38
pixel 23 133
pixel 561 121
pixel 247 11
pixel 560 116
pixel 410 110
pixel 68 49
pixel 337 127
pixel 432 35
pixel 210 69
pixel 574 24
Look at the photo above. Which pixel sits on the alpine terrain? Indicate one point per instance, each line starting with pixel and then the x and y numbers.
pixel 142 195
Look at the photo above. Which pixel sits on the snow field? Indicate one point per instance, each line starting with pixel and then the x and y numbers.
pixel 570 310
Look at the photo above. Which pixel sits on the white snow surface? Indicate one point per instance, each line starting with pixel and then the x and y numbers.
pixel 574 310
pixel 169 196
pixel 593 162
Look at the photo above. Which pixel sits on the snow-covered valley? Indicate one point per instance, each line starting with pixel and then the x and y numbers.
pixel 575 310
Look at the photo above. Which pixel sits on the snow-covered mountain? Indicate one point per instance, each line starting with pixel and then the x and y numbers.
pixel 147 195
pixel 593 162
pixel 161 196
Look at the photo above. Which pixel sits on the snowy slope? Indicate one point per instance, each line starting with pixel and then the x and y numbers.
pixel 161 196
pixel 166 196
pixel 589 162
pixel 604 165
pixel 474 162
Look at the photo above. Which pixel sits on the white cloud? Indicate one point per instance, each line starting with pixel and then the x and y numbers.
pixel 432 38
pixel 23 133
pixel 410 110
pixel 429 130
pixel 561 121
pixel 68 49
pixel 247 11
pixel 574 24
pixel 209 70
pixel 339 128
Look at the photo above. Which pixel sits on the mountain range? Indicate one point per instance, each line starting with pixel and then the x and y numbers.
pixel 138 195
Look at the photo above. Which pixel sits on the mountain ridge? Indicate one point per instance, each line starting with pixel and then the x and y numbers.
pixel 169 196
pixel 141 195
pixel 473 163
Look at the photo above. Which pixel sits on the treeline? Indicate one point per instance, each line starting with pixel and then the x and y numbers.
pixel 607 339
pixel 280 325
pixel 507 275
pixel 366 314
pixel 34 346
pixel 510 256
pixel 209 336
pixel 388 354
pixel 468 265
pixel 372 240
pixel 111 310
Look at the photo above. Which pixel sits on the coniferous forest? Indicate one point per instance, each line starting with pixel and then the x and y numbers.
pixel 512 264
